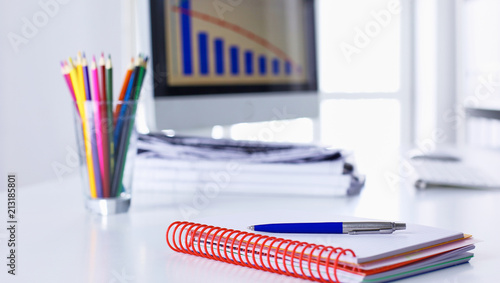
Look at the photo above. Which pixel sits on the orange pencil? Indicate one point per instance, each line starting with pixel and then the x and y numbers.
pixel 123 91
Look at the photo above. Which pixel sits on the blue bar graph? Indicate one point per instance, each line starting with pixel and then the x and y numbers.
pixel 235 66
pixel 219 56
pixel 203 50
pixel 262 65
pixel 249 62
pixel 226 56
pixel 288 68
pixel 185 20
pixel 276 66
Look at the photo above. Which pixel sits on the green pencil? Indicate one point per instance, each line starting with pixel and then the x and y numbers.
pixel 109 102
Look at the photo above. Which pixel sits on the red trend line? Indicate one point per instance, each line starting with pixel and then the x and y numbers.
pixel 237 29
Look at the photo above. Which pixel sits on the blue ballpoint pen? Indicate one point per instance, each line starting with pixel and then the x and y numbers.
pixel 352 228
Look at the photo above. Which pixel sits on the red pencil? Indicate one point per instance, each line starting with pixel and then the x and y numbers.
pixel 102 97
pixel 102 70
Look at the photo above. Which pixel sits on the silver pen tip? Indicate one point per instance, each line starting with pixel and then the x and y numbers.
pixel 400 226
pixel 250 228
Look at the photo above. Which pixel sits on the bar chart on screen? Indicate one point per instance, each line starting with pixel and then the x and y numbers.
pixel 244 44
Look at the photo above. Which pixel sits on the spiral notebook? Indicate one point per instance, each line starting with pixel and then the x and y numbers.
pixel 324 258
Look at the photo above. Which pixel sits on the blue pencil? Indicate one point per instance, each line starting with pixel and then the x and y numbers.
pixel 120 156
pixel 86 79
pixel 121 115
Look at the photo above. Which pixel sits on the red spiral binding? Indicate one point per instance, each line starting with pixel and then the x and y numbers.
pixel 255 250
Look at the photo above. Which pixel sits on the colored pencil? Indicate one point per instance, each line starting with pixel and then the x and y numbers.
pixel 106 135
pixel 107 127
pixel 105 104
pixel 65 72
pixel 103 89
pixel 93 124
pixel 77 74
pixel 123 90
pixel 142 73
pixel 102 70
pixel 129 123
pixel 124 102
pixel 90 114
pixel 86 78
pixel 121 129
pixel 73 77
pixel 116 183
pixel 120 133
pixel 74 83
pixel 109 108
pixel 101 134
pixel 81 78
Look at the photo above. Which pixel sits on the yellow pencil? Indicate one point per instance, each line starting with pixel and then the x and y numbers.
pixel 76 75
pixel 81 83
pixel 74 81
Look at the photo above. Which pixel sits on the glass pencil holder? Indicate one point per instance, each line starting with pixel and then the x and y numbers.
pixel 107 147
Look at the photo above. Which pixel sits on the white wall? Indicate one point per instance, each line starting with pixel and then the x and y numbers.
pixel 36 125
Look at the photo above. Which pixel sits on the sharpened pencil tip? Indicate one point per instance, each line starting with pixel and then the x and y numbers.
pixel 251 228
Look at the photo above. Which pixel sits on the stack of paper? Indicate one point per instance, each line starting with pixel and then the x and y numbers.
pixel 185 163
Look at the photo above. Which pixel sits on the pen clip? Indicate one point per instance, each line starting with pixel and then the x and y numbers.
pixel 374 231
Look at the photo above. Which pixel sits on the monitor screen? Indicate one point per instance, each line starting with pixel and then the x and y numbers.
pixel 205 47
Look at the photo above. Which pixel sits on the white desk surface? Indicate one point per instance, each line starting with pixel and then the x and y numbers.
pixel 59 242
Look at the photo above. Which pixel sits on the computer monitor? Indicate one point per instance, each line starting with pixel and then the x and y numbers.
pixel 221 62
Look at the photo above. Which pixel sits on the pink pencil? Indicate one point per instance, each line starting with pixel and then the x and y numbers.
pixel 102 138
pixel 65 72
